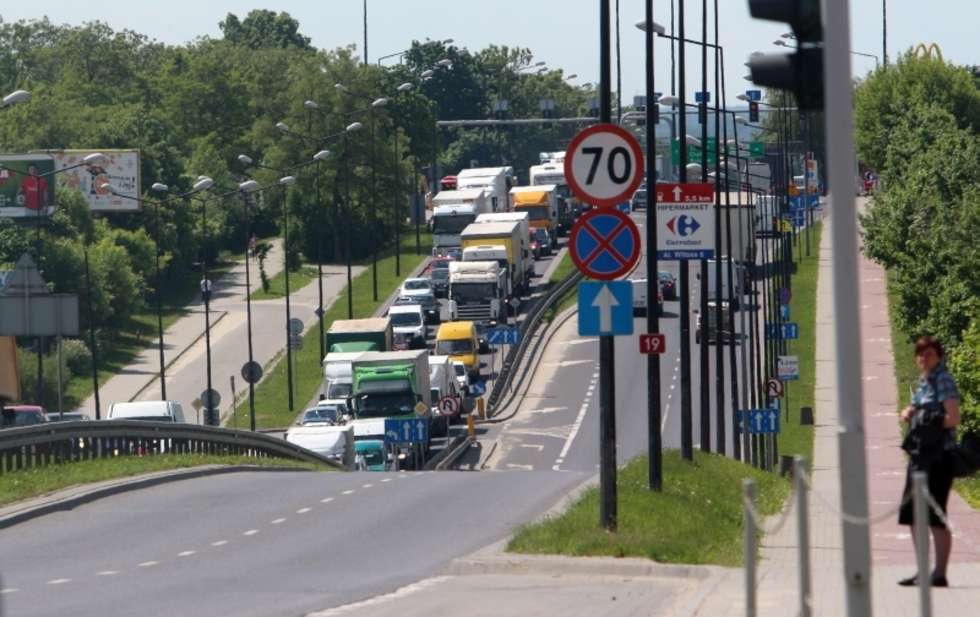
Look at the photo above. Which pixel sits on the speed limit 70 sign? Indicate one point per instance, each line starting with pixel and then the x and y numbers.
pixel 604 165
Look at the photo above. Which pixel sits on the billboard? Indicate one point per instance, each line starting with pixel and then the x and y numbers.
pixel 121 168
pixel 23 193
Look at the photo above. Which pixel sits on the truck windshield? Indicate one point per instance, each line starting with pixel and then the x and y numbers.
pixel 338 390
pixel 451 223
pixel 454 347
pixel 536 213
pixel 473 292
pixel 405 320
pixel 385 404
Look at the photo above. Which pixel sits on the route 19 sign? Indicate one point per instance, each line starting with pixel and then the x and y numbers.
pixel 604 165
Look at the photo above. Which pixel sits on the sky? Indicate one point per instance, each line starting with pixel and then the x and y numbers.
pixel 563 33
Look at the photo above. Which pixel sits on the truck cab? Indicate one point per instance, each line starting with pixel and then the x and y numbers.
pixel 477 290
pixel 541 205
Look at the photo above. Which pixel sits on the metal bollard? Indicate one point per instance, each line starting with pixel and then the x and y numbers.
pixel 748 523
pixel 803 534
pixel 481 407
pixel 470 426
pixel 920 520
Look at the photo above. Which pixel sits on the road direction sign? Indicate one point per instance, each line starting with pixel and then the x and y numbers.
pixel 788 368
pixel 210 399
pixel 295 326
pixel 605 309
pixel 763 421
pixel 503 336
pixel 406 430
pixel 604 165
pixel 757 149
pixel 604 244
pixel 784 312
pixel 251 372
pixel 421 409
pixel 789 331
pixel 653 343
pixel 774 388
pixel 754 95
pixel 449 405
pixel 685 222
pixel 702 97
pixel 785 295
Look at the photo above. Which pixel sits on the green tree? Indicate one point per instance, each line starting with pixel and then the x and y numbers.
pixel 263 28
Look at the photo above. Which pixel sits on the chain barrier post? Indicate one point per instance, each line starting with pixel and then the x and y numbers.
pixel 803 534
pixel 748 523
pixel 920 520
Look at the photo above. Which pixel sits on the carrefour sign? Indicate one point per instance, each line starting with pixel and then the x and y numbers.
pixel 685 222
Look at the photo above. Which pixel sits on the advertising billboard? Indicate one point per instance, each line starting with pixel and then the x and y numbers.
pixel 121 168
pixel 25 189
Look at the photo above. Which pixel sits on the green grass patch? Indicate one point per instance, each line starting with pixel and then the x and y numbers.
pixel 19 485
pixel 277 284
pixel 272 395
pixel 696 519
pixel 565 267
pixel 139 332
pixel 794 438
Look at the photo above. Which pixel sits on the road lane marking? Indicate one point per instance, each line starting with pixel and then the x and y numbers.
pixel 147 564
pixel 9 590
pixel 536 446
pixel 350 491
pixel 250 532
pixel 186 553
pixel 107 573
pixel 219 543
pixel 366 485
pixel 577 424
pixel 277 521
pixel 303 510
pixel 386 479
pixel 326 500
pixel 58 581
pixel 522 467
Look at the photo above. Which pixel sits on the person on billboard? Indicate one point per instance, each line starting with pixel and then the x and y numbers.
pixel 33 191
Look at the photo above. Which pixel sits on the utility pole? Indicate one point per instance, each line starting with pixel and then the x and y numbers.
pixel 687 446
pixel 654 438
pixel 704 391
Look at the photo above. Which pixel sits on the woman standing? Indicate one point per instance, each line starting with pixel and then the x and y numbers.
pixel 932 418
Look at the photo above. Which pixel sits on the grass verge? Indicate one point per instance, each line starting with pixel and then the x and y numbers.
pixel 696 519
pixel 796 439
pixel 272 395
pixel 19 485
pixel 563 269
pixel 277 284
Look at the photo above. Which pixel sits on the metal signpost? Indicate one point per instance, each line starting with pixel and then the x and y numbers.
pixel 604 166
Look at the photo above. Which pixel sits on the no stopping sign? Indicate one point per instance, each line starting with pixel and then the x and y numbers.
pixel 604 165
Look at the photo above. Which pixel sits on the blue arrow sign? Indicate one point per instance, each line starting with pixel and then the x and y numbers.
pixel 762 421
pixel 406 430
pixel 754 95
pixel 702 97
pixel 503 336
pixel 605 309
pixel 786 331
pixel 784 312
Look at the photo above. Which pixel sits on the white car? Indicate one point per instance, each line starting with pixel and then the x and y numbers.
pixel 462 377
pixel 408 324
pixel 416 287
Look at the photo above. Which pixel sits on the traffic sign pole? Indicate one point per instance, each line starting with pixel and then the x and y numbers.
pixel 654 438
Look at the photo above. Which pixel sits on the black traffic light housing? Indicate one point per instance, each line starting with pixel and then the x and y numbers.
pixel 801 71
pixel 753 111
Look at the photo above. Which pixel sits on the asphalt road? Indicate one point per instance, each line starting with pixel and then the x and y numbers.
pixel 260 544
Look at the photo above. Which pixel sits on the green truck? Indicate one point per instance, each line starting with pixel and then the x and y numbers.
pixel 355 335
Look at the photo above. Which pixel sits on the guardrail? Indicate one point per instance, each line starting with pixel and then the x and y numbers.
pixel 530 324
pixel 62 442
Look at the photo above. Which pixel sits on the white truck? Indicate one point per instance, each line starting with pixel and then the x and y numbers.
pixel 333 442
pixel 496 181
pixel 408 325
pixel 478 291
pixel 524 220
pixel 766 210
pixel 502 242
pixel 452 211
pixel 337 375
pixel 552 172
pixel 442 383
pixel 716 291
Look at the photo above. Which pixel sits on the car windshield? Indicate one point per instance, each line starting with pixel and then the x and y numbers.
pixel 460 370
pixel 665 276
pixel 22 418
pixel 473 292
pixel 454 347
pixel 441 274
pixel 326 413
pixel 405 320
pixel 382 404
pixel 417 284
pixel 537 213
pixel 451 223
pixel 338 390
pixel 373 456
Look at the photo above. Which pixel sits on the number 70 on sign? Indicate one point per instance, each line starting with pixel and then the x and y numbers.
pixel 653 343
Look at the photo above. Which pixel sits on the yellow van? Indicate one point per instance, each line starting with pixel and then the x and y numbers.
pixel 458 340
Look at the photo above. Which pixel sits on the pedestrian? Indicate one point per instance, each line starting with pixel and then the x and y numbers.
pixel 932 417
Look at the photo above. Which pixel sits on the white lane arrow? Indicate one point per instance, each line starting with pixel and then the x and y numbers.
pixel 677 193
pixel 757 420
pixel 773 418
pixel 605 301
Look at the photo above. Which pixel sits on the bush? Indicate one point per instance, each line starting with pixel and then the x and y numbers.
pixel 27 367
pixel 77 356
pixel 964 364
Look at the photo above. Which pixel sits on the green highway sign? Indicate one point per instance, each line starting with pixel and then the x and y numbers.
pixel 757 149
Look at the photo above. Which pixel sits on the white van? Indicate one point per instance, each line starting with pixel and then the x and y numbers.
pixel 154 411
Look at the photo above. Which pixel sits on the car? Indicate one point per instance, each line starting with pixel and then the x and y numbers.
pixel 23 415
pixel 639 199
pixel 408 324
pixel 668 284
pixel 544 240
pixel 323 413
pixel 420 290
pixel 152 411
pixel 462 377
pixel 711 333
pixel 535 248
pixel 370 455
pixel 640 297
pixel 68 416
pixel 440 282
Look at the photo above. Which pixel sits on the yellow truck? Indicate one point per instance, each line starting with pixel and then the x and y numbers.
pixel 541 204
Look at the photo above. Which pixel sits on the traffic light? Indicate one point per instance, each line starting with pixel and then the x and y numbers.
pixel 801 71
pixel 753 111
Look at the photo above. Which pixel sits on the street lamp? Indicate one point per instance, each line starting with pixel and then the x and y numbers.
pixel 15 97
pixel 354 126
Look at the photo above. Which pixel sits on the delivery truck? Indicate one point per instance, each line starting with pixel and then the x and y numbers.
pixel 496 181
pixel 351 335
pixel 452 211
pixel 541 205
pixel 504 242
pixel 525 222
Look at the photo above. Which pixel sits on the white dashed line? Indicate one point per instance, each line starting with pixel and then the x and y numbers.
pixel 107 573
pixel 186 553
pixel 250 532
pixel 351 491
pixel 386 479
pixel 219 543
pixel 148 564
pixel 326 500
pixel 277 521
pixel 303 510
pixel 9 590
pixel 578 423
pixel 367 485
pixel 58 581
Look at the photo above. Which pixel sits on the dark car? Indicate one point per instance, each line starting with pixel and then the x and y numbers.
pixel 543 238
pixel 68 416
pixel 535 248
pixel 639 199
pixel 440 282
pixel 668 284
pixel 23 415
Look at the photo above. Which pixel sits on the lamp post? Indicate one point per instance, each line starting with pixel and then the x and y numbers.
pixel 354 126
pixel 403 88
pixel 16 97
pixel 312 106
pixel 285 182
pixel 204 183
pixel 244 189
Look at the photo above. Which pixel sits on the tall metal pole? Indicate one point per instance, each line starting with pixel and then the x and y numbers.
pixel 704 391
pixel 884 31
pixel 839 128
pixel 720 414
pixel 206 289
pixel 348 208
pixel 163 379
pixel 365 33
pixel 285 257
pixel 397 212
pixel 654 438
pixel 607 351
pixel 248 308
pixel 91 335
pixel 374 193
pixel 319 239
pixel 687 445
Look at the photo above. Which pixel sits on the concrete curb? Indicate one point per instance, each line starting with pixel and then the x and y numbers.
pixel 457 451
pixel 71 498
pixel 552 565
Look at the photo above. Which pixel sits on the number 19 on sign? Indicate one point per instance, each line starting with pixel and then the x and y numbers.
pixel 652 343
